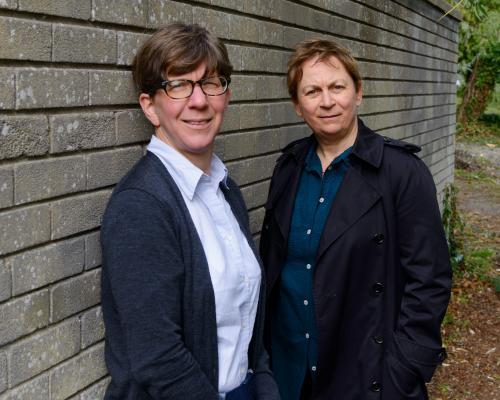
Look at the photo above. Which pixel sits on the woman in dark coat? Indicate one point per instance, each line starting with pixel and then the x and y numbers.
pixel 355 255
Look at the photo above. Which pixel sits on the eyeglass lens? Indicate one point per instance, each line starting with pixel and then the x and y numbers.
pixel 182 88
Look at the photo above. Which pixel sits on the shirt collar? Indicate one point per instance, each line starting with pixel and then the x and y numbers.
pixel 186 175
pixel 313 163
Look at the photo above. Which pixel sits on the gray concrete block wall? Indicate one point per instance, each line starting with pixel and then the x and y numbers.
pixel 70 127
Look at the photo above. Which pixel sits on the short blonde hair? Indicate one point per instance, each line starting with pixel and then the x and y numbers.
pixel 323 49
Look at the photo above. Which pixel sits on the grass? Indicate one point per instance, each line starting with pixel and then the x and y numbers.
pixel 485 131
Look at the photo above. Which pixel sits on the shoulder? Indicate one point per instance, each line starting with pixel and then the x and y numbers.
pixel 400 154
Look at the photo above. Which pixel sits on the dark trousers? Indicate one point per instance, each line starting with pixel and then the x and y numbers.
pixel 242 392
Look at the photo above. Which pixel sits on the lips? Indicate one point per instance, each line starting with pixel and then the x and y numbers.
pixel 197 122
pixel 330 116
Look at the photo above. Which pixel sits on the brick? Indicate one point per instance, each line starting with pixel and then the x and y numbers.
pixel 79 9
pixel 271 34
pixel 23 315
pixel 93 254
pixel 263 60
pixel 77 373
pixel 243 28
pixel 164 12
pixel 23 135
pixel 256 218
pixel 24 39
pixel 36 268
pixel 6 187
pixel 36 180
pixel 254 115
pixel 132 127
pixel 252 170
pixel 84 45
pixel 92 326
pixel 37 353
pixel 5 281
pixel 77 214
pixel 215 21
pixel 234 53
pixel 244 88
pixel 70 132
pixel 272 87
pixel 283 113
pixel 45 88
pixel 75 294
pixel 37 388
pixel 23 228
pixel 128 45
pixel 108 167
pixel 292 36
pixel 3 372
pixel 246 144
pixel 112 87
pixel 255 195
pixel 290 133
pixel 12 4
pixel 95 391
pixel 231 120
pixel 7 89
pixel 125 12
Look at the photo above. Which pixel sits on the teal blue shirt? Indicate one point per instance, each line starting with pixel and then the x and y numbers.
pixel 294 338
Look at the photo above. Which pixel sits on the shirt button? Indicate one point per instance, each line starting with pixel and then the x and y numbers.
pixel 308 266
pixel 308 232
pixel 329 168
pixel 313 368
pixel 307 336
pixel 306 302
pixel 321 199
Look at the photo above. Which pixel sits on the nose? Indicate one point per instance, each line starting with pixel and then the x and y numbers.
pixel 198 99
pixel 327 99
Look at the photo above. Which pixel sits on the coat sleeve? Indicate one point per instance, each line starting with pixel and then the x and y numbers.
pixel 143 263
pixel 424 257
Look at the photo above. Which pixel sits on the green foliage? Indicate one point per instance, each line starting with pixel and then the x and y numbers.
pixel 453 227
pixel 479 55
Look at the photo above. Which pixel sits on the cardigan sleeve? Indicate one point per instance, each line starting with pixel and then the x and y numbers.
pixel 424 256
pixel 143 263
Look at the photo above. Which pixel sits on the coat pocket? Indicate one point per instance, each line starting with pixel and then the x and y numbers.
pixel 400 382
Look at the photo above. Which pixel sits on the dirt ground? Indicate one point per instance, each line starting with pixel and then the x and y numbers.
pixel 472 326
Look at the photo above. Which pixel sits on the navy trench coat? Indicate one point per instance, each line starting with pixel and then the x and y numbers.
pixel 382 277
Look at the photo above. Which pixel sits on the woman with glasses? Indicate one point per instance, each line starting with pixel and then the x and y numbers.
pixel 182 293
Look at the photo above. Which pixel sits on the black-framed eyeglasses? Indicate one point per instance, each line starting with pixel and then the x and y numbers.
pixel 183 88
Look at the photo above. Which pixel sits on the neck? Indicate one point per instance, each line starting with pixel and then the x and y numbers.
pixel 330 148
pixel 201 160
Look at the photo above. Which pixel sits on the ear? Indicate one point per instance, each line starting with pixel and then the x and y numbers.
pixel 359 95
pixel 297 107
pixel 148 108
pixel 228 97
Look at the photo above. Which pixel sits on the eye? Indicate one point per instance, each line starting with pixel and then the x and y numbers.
pixel 178 85
pixel 311 92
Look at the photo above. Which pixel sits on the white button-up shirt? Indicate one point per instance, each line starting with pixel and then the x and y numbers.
pixel 234 270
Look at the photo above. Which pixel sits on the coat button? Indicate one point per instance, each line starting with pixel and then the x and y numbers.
pixel 442 355
pixel 379 238
pixel 375 386
pixel 377 288
pixel 378 339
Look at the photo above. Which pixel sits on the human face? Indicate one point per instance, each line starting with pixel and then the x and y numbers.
pixel 327 100
pixel 188 125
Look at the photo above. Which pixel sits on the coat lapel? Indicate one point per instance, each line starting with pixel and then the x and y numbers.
pixel 354 198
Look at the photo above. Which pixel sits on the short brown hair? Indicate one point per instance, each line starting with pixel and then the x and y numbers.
pixel 178 49
pixel 323 49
